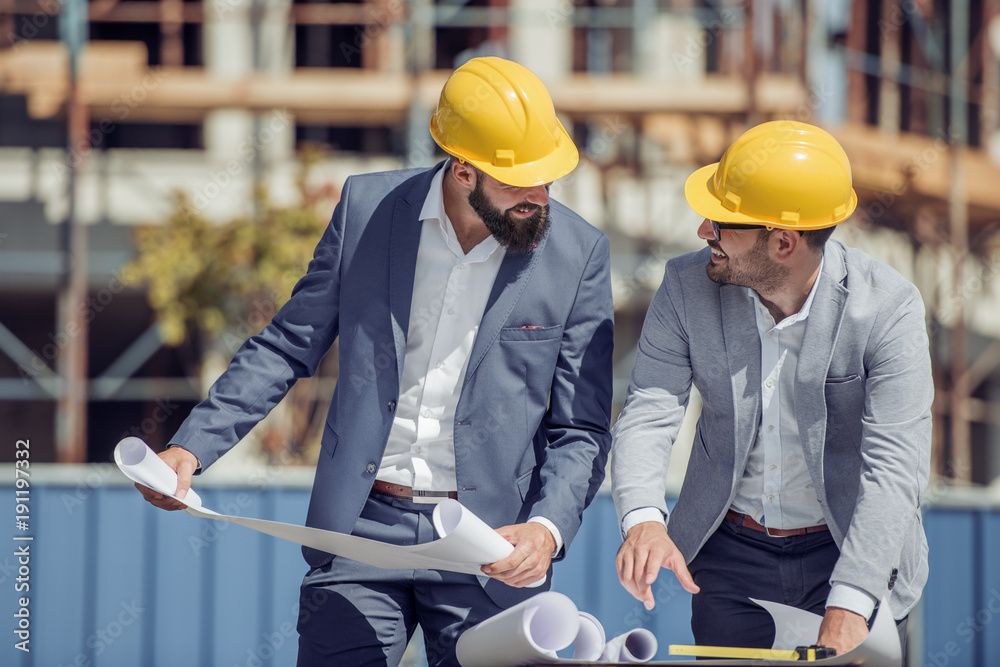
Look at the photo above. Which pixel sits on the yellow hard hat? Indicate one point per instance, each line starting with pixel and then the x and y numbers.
pixel 783 174
pixel 498 116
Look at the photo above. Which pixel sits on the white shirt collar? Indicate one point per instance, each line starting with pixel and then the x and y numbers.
pixel 804 310
pixel 433 209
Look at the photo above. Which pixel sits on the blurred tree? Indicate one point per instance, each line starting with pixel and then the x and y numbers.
pixel 219 283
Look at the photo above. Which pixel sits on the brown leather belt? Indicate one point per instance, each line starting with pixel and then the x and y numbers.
pixel 748 521
pixel 407 493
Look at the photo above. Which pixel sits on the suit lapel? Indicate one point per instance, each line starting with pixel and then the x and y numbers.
pixel 743 355
pixel 404 242
pixel 818 341
pixel 507 289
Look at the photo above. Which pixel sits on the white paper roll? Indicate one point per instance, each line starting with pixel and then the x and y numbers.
pixel 527 633
pixel 150 470
pixel 589 642
pixel 637 645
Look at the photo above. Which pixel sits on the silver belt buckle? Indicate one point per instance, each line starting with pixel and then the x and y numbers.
pixel 429 497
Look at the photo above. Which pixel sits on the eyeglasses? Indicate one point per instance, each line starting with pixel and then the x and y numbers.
pixel 718 226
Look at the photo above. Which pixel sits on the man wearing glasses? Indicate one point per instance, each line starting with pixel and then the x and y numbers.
pixel 812 450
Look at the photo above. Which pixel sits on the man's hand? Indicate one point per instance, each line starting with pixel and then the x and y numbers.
pixel 647 548
pixel 842 629
pixel 533 547
pixel 184 463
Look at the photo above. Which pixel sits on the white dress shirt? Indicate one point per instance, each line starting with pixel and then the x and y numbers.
pixel 450 290
pixel 776 488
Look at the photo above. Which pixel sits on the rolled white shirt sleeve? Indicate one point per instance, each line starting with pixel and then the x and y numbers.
pixel 851 598
pixel 552 529
pixel 641 515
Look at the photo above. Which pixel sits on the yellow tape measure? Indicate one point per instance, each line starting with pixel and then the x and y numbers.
pixel 808 653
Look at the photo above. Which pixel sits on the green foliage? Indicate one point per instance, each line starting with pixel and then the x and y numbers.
pixel 210 277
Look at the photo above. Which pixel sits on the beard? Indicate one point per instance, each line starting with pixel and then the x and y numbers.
pixel 755 269
pixel 515 235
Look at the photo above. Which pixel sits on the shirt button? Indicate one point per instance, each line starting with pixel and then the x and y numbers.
pixel 770 382
pixel 770 334
pixel 773 467
pixel 451 311
pixel 426 413
pixel 770 429
pixel 770 499
pixel 391 407
pixel 461 266
pixel 371 468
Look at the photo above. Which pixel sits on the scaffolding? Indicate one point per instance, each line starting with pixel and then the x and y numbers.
pixel 920 113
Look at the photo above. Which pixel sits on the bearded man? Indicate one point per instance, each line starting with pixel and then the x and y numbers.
pixel 476 328
pixel 812 451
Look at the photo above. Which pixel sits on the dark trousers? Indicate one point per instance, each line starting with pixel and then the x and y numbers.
pixel 356 614
pixel 738 563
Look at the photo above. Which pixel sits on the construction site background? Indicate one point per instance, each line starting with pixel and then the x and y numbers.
pixel 239 116
pixel 108 109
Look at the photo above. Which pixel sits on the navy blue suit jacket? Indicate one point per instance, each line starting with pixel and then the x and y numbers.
pixel 531 426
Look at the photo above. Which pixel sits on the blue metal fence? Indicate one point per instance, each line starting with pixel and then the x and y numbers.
pixel 114 582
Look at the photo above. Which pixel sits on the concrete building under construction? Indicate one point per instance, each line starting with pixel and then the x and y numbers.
pixel 212 98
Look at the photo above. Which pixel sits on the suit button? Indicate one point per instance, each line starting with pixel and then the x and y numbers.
pixel 392 406
pixel 371 468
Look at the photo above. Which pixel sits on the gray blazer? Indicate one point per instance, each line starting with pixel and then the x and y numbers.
pixel 531 425
pixel 863 401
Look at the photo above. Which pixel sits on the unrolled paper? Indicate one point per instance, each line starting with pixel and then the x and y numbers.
pixel 466 543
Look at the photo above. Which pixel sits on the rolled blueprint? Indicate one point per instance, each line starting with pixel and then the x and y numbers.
pixel 527 633
pixel 589 642
pixel 149 469
pixel 637 645
pixel 467 542
pixel 533 631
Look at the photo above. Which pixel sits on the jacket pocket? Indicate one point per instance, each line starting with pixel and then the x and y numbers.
pixel 330 439
pixel 515 334
pixel 524 484
pixel 845 404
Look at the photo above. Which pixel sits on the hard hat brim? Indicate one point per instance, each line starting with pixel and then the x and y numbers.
pixel 552 167
pixel 701 197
